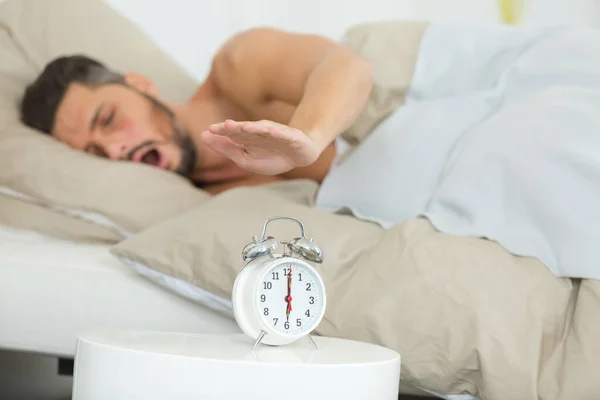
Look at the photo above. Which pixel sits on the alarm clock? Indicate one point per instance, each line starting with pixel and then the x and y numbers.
pixel 279 298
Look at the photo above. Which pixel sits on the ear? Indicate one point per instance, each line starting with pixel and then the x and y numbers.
pixel 141 83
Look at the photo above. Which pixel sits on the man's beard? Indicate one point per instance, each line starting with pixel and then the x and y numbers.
pixel 189 154
pixel 182 139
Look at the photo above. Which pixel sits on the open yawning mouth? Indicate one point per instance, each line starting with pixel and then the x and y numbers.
pixel 151 156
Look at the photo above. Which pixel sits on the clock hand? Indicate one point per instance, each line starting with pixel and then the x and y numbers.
pixel 288 298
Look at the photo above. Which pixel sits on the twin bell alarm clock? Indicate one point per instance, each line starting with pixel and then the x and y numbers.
pixel 279 298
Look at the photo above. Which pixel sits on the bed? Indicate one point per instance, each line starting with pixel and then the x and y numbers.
pixel 87 243
pixel 51 289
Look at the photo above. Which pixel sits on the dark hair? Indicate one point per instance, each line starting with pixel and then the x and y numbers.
pixel 44 95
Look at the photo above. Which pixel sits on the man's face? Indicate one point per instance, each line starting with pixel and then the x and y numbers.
pixel 117 122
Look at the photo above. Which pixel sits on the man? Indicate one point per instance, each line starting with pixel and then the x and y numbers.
pixel 270 109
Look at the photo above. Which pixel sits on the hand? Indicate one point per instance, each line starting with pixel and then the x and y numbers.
pixel 263 147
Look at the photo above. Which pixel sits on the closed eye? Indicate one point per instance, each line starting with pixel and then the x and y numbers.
pixel 108 120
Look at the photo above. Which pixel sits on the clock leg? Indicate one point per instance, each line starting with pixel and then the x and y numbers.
pixel 311 340
pixel 259 339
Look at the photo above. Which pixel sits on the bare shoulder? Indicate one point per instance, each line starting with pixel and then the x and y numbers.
pixel 263 60
pixel 269 39
pixel 258 48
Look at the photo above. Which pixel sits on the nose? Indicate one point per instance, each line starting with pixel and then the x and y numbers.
pixel 115 150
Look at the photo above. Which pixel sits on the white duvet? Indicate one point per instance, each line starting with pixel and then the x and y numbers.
pixel 499 138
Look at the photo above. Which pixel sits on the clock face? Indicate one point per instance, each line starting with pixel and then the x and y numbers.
pixel 290 298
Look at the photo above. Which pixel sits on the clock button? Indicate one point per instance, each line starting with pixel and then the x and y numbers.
pixel 260 248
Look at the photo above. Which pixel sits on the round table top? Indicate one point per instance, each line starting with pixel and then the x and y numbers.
pixel 239 347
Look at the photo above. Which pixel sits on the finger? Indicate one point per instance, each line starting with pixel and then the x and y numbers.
pixel 233 126
pixel 223 145
pixel 256 127
pixel 240 132
pixel 226 128
pixel 269 129
pixel 283 133
pixel 216 129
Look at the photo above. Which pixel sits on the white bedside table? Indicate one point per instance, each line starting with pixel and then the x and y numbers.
pixel 131 365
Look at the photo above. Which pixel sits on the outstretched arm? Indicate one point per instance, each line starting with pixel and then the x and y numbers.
pixel 326 83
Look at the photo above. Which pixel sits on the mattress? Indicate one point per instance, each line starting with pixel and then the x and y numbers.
pixel 50 290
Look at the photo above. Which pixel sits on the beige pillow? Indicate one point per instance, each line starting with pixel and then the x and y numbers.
pixel 132 196
pixel 19 214
pixel 466 316
pixel 393 49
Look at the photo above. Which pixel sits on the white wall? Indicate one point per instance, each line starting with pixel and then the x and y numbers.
pixel 533 12
pixel 191 31
pixel 547 12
